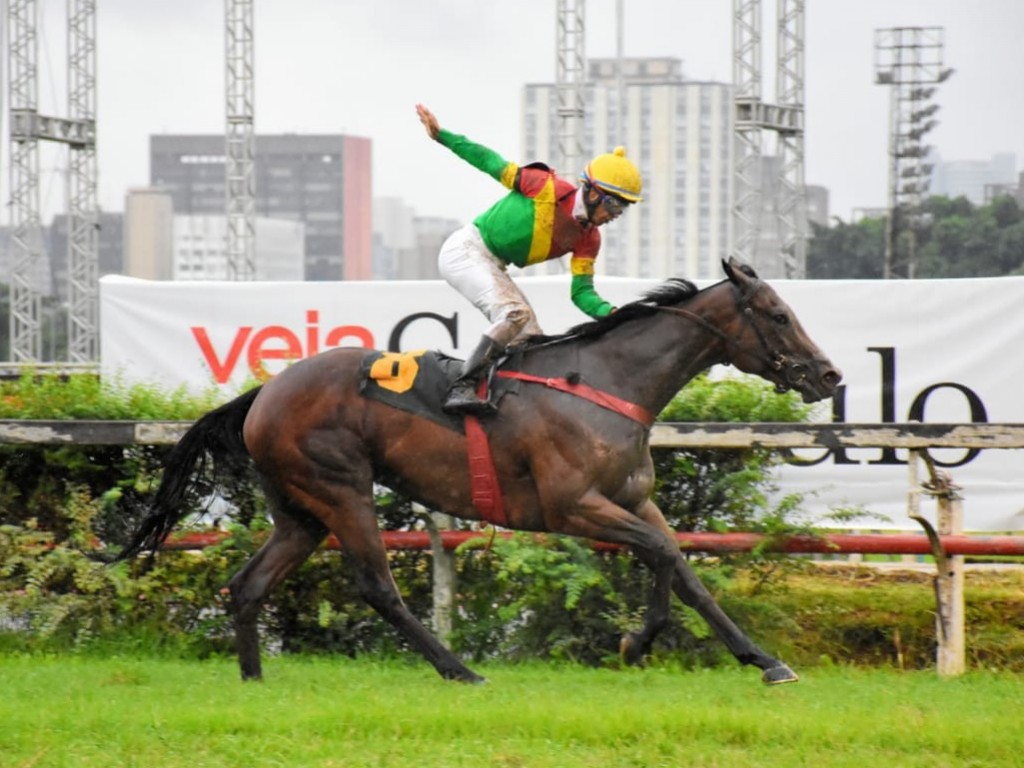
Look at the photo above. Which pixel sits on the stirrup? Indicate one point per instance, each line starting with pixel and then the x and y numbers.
pixel 463 400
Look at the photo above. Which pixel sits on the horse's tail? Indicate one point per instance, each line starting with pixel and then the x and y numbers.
pixel 216 435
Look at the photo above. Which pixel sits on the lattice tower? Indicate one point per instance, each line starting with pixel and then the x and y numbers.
pixel 83 203
pixel 78 131
pixel 570 78
pixel 240 141
pixel 910 61
pixel 26 239
pixel 753 116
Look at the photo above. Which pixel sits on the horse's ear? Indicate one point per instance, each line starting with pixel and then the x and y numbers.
pixel 739 272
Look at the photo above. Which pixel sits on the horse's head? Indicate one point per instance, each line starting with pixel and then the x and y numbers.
pixel 771 343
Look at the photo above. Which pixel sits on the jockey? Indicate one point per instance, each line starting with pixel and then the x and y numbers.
pixel 543 217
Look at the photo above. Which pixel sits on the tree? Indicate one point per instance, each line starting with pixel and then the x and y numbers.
pixel 1006 211
pixel 846 250
pixel 955 239
pixel 1011 249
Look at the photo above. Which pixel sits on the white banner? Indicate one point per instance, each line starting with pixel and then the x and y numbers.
pixel 935 351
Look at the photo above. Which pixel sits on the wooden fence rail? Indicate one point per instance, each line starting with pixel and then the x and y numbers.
pixel 663 434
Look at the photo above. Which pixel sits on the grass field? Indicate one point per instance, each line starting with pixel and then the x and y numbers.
pixel 75 711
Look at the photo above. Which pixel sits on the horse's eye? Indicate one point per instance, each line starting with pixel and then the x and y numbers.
pixel 781 318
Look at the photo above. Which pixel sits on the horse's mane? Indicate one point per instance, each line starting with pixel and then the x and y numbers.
pixel 672 291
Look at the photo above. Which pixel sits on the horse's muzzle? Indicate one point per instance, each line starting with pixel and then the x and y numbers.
pixel 815 380
pixel 822 384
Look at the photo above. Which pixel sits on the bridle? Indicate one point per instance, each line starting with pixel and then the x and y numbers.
pixel 793 373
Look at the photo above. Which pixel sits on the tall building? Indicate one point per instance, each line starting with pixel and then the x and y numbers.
pixel 200 248
pixel 431 232
pixel 324 181
pixel 818 205
pixel 968 178
pixel 148 234
pixel 394 238
pixel 1006 189
pixel 406 245
pixel 680 135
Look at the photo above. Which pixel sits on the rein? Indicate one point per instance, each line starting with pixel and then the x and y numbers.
pixel 775 359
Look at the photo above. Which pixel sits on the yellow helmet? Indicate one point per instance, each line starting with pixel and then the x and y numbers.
pixel 614 174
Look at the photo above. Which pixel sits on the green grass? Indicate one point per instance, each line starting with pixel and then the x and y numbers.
pixel 76 711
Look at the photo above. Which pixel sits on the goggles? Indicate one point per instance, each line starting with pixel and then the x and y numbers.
pixel 614 205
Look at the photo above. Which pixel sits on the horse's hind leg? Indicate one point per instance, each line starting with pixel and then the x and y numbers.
pixel 293 539
pixel 355 525
pixel 635 645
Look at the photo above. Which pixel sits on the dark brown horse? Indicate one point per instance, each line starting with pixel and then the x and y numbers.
pixel 564 464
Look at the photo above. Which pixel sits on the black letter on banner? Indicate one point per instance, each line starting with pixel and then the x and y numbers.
pixel 450 324
pixel 888 355
pixel 838 416
pixel 978 415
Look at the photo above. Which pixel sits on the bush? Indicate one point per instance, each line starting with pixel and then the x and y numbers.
pixel 37 481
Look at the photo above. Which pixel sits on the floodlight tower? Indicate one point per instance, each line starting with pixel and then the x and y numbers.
pixel 27 128
pixel 789 90
pixel 83 203
pixel 240 141
pixel 785 118
pixel 26 239
pixel 570 76
pixel 746 78
pixel 909 61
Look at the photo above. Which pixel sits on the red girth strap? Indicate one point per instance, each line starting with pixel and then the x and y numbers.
pixel 630 410
pixel 483 477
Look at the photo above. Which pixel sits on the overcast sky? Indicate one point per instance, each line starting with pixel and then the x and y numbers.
pixel 359 66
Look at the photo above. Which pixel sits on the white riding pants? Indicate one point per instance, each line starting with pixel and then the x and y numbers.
pixel 471 269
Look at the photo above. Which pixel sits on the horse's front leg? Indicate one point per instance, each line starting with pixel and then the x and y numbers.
pixel 689 588
pixel 692 591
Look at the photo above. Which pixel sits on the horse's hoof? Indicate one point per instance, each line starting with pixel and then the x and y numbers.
pixel 630 650
pixel 464 676
pixel 779 675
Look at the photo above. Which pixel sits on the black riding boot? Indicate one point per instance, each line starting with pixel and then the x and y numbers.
pixel 462 393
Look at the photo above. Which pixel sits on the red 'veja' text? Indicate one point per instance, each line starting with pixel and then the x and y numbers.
pixel 275 342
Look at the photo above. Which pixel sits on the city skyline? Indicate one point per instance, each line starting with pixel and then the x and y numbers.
pixel 341 68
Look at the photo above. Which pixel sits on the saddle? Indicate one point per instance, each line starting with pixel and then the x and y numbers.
pixel 417 382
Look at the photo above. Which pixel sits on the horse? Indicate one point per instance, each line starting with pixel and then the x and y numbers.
pixel 569 450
